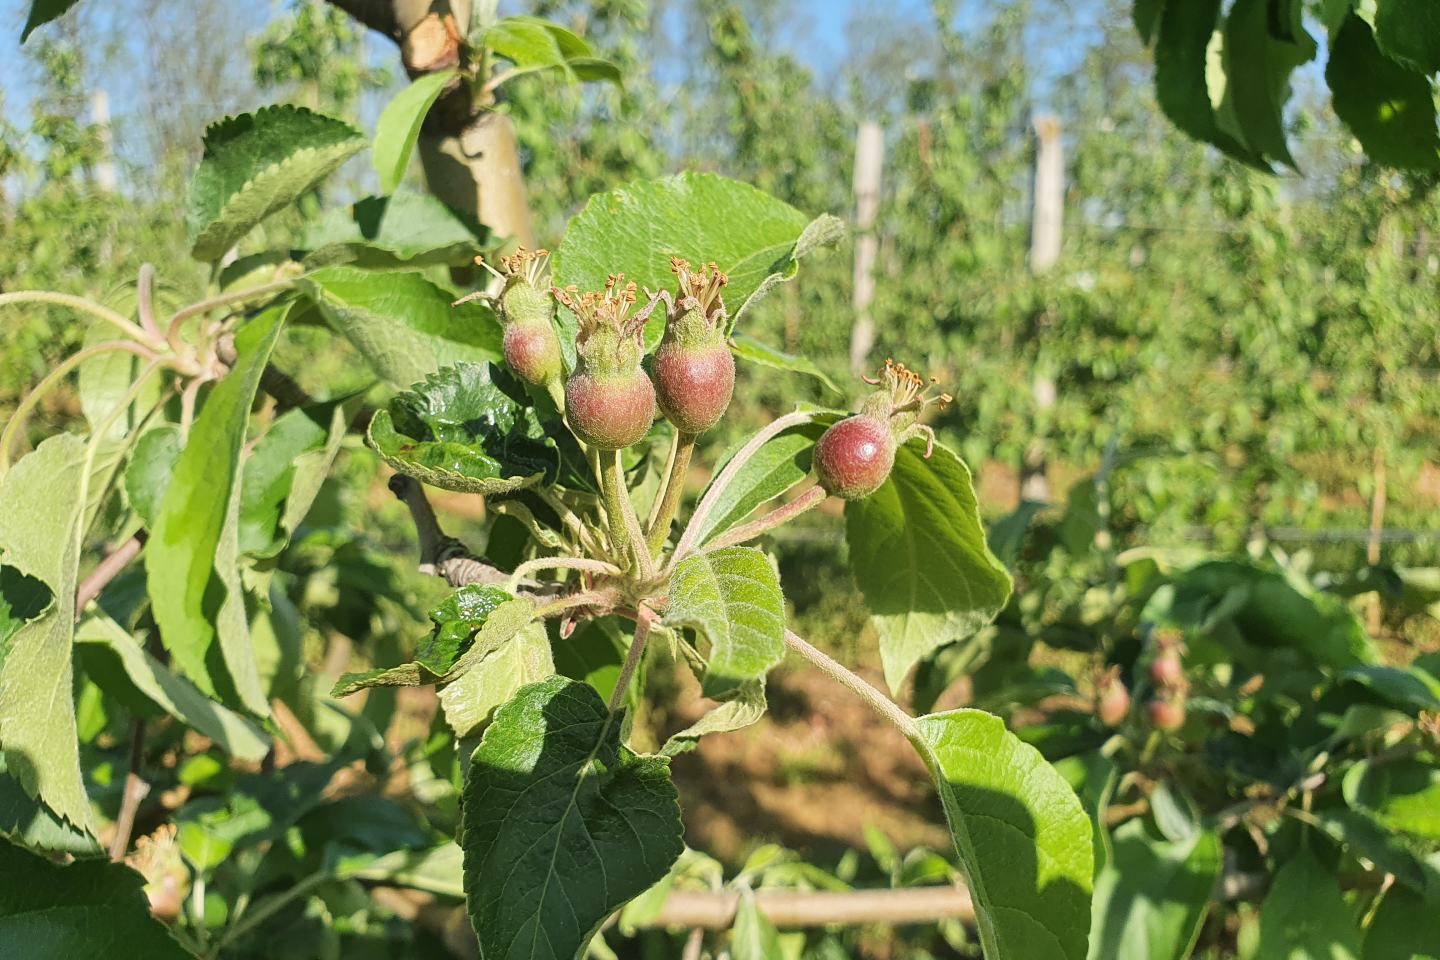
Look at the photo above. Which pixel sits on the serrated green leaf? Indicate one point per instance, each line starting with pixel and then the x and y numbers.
pixel 22 599
pixel 92 908
pixel 148 474
pixel 1389 109
pixel 42 12
pixel 1304 916
pixel 402 324
pixel 255 164
pixel 732 598
pixel 469 625
pixel 299 446
pixel 636 230
pixel 753 937
pixel 593 654
pixel 1021 834
pixel 781 464
pixel 437 870
pixel 532 44
pixel 563 824
pixel 1413 689
pixel 398 128
pixel 458 431
pixel 1401 795
pixel 918 551
pixel 404 230
pixel 30 823
pixel 1408 32
pixel 473 696
pixel 42 500
pixel 1258 66
pixel 1186 79
pixel 1152 895
pixel 105 380
pixel 748 348
pixel 191 560
pixel 99 636
pixel 742 707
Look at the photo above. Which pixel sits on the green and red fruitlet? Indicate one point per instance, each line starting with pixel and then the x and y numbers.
pixel 527 312
pixel 1112 700
pixel 693 369
pixel 854 457
pixel 609 401
pixel 1166 714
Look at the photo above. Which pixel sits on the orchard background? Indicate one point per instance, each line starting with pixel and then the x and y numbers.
pixel 1194 351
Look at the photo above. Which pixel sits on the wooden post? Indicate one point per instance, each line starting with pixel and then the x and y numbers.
pixel 1047 204
pixel 100 117
pixel 869 158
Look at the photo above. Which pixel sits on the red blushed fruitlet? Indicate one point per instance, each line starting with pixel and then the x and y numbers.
pixel 693 385
pixel 1166 716
pixel 854 457
pixel 533 351
pixel 1113 705
pixel 610 414
pixel 1166 671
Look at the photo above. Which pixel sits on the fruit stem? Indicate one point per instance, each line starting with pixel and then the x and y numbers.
pixel 669 502
pixel 88 306
pixel 643 618
pixel 612 486
pixel 837 671
pixel 737 462
pixel 223 300
pixel 812 497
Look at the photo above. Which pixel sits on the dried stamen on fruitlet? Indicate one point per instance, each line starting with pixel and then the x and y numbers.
pixel 907 388
pixel 607 309
pixel 700 290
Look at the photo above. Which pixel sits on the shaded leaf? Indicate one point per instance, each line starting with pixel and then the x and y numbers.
pixel 91 908
pixel 1021 834
pixel 1401 795
pixel 753 937
pixel 1389 109
pixel 399 126
pixel 1184 78
pixel 918 551
pixel 41 13
pixel 148 474
pixel 255 164
pixel 1152 895
pixel 29 822
pixel 402 324
pixel 101 639
pixel 404 230
pixel 1405 927
pixel 1258 65
pixel 563 824
pixel 1408 32
pixel 732 598
pixel 1365 838
pixel 1304 916
pixel 191 560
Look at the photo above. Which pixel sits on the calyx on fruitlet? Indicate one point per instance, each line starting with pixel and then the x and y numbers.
pixel 693 369
pixel 531 347
pixel 609 401
pixel 854 457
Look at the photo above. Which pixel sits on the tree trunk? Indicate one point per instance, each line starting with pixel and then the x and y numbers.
pixel 467 150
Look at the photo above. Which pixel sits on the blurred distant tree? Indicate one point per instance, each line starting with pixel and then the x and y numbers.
pixel 315 54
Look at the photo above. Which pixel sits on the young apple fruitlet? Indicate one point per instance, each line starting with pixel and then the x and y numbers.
pixel 1167 714
pixel 693 369
pixel 609 401
pixel 854 457
pixel 1166 671
pixel 530 345
pixel 1112 700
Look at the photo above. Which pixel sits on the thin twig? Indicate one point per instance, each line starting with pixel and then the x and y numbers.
pixel 136 789
pixel 694 944
pixel 812 497
pixel 737 462
pixel 705 910
pixel 877 701
pixel 643 618
pixel 108 569
pixel 440 555
pixel 87 306
pixel 668 503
